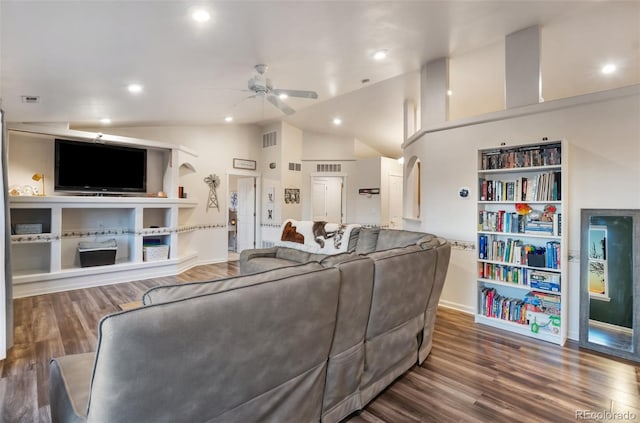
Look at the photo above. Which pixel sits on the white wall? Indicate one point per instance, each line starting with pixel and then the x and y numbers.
pixel 29 154
pixel 367 206
pixel 216 146
pixel 317 146
pixel 603 132
pixel 291 153
pixel 363 151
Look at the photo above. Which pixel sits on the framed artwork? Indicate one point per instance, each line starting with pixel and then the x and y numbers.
pixel 244 164
pixel 292 196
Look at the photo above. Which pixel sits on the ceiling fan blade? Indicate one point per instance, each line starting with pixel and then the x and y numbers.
pixel 296 93
pixel 280 105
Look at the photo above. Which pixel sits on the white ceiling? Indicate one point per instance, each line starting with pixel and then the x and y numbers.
pixel 79 56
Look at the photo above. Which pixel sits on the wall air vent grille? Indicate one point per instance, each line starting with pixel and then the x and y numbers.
pixel 267 244
pixel 329 167
pixel 297 167
pixel 269 139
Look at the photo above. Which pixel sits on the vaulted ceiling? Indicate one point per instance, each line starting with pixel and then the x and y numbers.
pixel 79 57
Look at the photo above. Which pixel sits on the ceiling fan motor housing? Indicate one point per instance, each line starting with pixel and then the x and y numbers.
pixel 260 84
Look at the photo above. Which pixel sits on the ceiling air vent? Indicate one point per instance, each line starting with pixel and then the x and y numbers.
pixel 295 166
pixel 269 139
pixel 31 99
pixel 329 167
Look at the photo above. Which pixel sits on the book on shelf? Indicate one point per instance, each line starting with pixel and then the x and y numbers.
pixel 541 187
pixel 519 157
pixel 502 273
pixel 547 281
pixel 501 307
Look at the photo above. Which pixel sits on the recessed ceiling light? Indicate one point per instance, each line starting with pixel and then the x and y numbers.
pixel 106 121
pixel 283 96
pixel 608 68
pixel 228 119
pixel 337 121
pixel 449 92
pixel 380 55
pixel 200 15
pixel 135 88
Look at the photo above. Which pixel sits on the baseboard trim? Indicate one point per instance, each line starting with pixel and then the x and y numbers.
pixel 79 280
pixel 456 306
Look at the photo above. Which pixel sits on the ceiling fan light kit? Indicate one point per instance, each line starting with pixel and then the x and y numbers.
pixel 262 87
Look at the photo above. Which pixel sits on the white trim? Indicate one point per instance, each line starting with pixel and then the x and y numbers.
pixel 108 275
pixel 457 306
pixel 545 107
pixel 610 327
pixel 52 132
pixel 3 282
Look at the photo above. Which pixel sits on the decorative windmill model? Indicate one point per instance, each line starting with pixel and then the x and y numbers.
pixel 213 181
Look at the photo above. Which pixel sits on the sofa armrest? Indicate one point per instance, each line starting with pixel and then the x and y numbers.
pixel 246 255
pixel 69 385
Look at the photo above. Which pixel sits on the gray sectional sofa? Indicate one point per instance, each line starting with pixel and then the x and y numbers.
pixel 305 341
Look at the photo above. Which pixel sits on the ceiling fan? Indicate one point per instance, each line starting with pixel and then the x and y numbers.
pixel 262 87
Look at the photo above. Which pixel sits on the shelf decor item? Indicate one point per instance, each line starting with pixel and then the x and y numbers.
pixel 28 228
pixel 521 284
pixel 213 181
pixel 153 252
pixel 39 177
pixel 97 253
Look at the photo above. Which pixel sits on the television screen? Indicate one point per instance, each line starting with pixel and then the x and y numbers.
pixel 83 166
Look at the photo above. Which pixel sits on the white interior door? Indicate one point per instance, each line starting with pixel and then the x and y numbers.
pixel 246 231
pixel 395 202
pixel 326 199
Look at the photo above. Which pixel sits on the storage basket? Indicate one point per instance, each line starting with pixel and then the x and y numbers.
pixel 97 253
pixel 155 252
pixel 27 228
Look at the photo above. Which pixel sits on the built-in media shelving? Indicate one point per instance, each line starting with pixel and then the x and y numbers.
pixel 47 230
pixel 521 265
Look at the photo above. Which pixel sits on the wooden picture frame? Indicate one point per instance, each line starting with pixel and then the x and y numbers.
pixel 244 164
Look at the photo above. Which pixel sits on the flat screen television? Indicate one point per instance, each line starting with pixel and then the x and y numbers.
pixel 91 167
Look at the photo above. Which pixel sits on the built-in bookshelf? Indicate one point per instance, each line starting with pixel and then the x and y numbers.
pixel 521 281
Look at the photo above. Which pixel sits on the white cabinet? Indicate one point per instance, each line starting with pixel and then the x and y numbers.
pixel 67 220
pixel 522 278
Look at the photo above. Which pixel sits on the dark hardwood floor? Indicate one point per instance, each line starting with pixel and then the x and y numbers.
pixel 474 373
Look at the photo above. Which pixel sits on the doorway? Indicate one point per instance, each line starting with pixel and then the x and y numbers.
pixel 395 201
pixel 241 222
pixel 327 200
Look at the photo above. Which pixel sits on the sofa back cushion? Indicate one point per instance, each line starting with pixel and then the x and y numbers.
pixel 367 240
pixel 232 356
pixel 403 281
pixel 163 294
pixel 401 287
pixel 353 239
pixel 395 238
